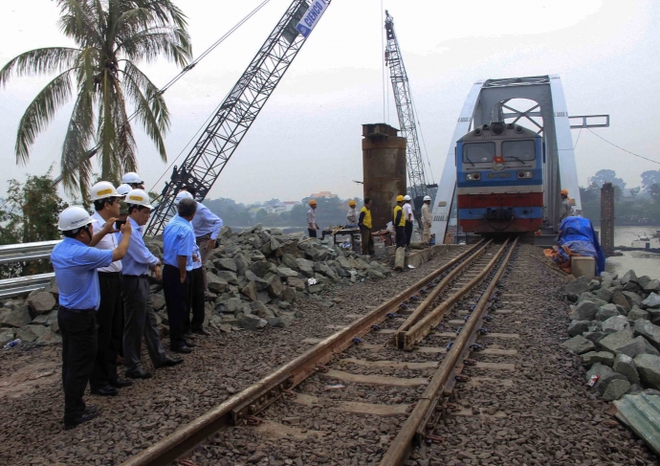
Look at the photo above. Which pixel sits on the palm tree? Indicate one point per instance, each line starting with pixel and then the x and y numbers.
pixel 111 36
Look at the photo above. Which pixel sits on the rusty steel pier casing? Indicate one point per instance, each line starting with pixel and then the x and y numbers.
pixel 384 170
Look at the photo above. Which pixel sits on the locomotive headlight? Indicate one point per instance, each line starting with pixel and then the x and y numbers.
pixel 524 174
pixel 473 177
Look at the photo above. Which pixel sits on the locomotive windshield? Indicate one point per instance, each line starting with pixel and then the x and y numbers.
pixel 518 150
pixel 478 152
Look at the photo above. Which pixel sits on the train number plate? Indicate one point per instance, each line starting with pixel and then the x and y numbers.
pixel 498 175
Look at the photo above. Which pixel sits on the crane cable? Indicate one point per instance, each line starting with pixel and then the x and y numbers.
pixel 621 148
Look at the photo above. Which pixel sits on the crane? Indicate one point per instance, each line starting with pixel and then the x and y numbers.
pixel 219 140
pixel 406 112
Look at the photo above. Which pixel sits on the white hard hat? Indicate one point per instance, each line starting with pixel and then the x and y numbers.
pixel 407 198
pixel 138 197
pixel 103 190
pixel 427 198
pixel 182 195
pixel 131 178
pixel 123 189
pixel 73 217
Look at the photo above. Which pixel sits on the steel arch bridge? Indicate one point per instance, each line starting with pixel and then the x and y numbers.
pixel 495 100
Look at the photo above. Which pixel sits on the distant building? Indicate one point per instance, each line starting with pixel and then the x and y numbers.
pixel 326 194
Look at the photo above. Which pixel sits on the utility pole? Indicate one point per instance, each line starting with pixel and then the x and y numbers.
pixel 607 219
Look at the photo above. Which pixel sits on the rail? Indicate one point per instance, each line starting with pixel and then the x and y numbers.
pixel 25 252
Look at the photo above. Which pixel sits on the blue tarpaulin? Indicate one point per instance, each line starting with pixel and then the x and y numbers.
pixel 577 233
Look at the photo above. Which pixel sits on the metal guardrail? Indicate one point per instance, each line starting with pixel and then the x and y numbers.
pixel 25 252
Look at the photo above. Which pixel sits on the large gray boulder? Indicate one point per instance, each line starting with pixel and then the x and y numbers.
pixel 605 374
pixel 615 389
pixel 6 335
pixel 616 324
pixel 275 286
pixel 261 268
pixel 649 331
pixel 621 300
pixel 289 260
pixel 633 298
pixel 42 302
pixel 586 310
pixel 226 263
pixel 623 342
pixel 578 327
pixel 625 365
pixel 654 315
pixel 228 276
pixel 573 289
pixel 285 272
pixel 259 282
pixel 606 311
pixel 604 294
pixel 629 276
pixel 652 301
pixel 637 313
pixel 250 290
pixel 648 367
pixel 305 267
pixel 578 345
pixel 652 286
pixel 261 310
pixel 592 357
pixel 252 322
pixel 16 318
pixel 215 283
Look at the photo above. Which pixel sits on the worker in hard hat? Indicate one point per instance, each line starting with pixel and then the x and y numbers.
pixel 133 180
pixel 399 222
pixel 427 218
pixel 566 207
pixel 408 213
pixel 139 314
pixel 312 226
pixel 110 316
pixel 179 246
pixel 364 222
pixel 352 215
pixel 75 262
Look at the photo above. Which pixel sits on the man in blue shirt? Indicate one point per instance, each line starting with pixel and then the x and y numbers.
pixel 207 227
pixel 178 247
pixel 139 316
pixel 75 263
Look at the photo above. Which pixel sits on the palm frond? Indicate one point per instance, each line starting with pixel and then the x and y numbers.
pixel 150 44
pixel 150 108
pixel 39 62
pixel 81 21
pixel 75 162
pixel 40 112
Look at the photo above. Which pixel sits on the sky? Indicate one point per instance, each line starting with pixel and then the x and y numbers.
pixel 307 138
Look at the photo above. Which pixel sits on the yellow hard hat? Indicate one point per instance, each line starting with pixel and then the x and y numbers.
pixel 351 202
pixel 400 198
pixel 564 192
pixel 312 202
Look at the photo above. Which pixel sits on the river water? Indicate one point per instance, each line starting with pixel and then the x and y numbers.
pixel 643 263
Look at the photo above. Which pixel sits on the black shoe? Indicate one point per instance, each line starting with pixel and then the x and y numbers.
pixel 78 420
pixel 105 391
pixel 120 383
pixel 169 362
pixel 138 374
pixel 181 349
pixel 91 409
pixel 201 331
pixel 190 344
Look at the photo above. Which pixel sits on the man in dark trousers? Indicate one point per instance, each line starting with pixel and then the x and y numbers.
pixel 140 318
pixel 178 248
pixel 364 222
pixel 75 263
pixel 110 319
pixel 399 222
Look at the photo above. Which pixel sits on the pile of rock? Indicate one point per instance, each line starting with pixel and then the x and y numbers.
pixel 255 278
pixel 615 328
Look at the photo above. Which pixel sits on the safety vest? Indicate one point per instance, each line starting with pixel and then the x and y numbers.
pixel 402 222
pixel 366 221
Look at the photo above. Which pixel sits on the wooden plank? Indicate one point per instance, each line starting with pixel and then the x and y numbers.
pixel 495 366
pixel 352 406
pixel 478 381
pixel 375 379
pixel 393 364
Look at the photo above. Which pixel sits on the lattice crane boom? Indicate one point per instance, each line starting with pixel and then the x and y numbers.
pixel 405 111
pixel 235 115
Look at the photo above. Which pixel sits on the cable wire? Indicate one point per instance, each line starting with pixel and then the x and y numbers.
pixel 578 139
pixel 621 148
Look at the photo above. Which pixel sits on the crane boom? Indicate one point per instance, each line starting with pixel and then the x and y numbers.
pixel 405 111
pixel 235 115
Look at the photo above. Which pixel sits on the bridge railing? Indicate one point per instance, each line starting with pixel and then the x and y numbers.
pixel 25 252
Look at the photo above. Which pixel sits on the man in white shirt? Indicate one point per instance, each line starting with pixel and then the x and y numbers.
pixel 104 380
pixel 408 213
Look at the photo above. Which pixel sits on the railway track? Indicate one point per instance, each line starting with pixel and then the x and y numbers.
pixel 377 385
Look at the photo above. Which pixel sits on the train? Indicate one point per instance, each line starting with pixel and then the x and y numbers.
pixel 500 180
